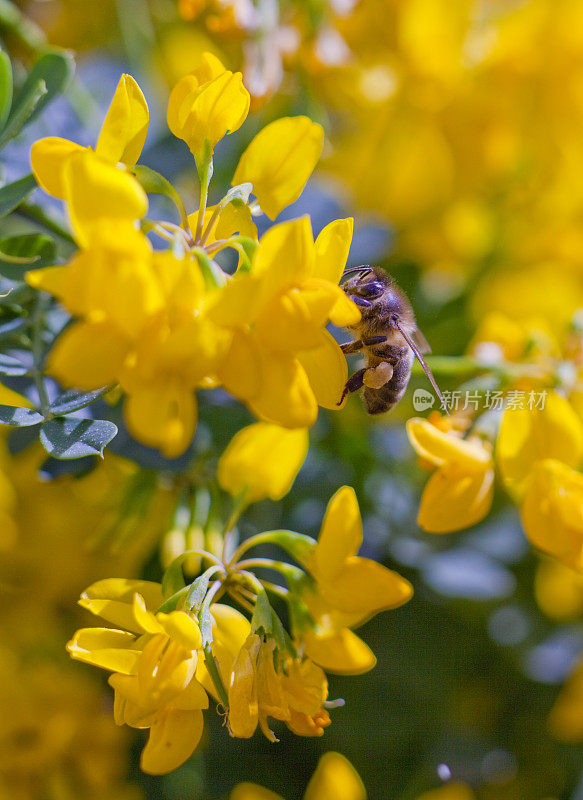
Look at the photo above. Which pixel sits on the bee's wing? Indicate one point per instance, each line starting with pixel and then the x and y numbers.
pixel 421 342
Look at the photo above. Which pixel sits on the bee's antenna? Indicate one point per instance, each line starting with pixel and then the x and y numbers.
pixel 364 268
pixel 421 360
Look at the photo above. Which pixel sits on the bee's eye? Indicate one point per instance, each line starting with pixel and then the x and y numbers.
pixel 372 289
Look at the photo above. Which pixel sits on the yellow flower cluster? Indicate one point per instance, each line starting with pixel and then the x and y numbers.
pixel 538 445
pixel 162 324
pixel 173 645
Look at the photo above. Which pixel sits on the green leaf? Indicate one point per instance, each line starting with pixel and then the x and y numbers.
pixel 55 69
pixel 18 254
pixel 22 109
pixel 72 437
pixel 154 183
pixel 262 618
pixel 47 79
pixel 198 589
pixel 297 545
pixel 14 193
pixel 72 401
pixel 6 87
pixel 11 366
pixel 278 632
pixel 22 417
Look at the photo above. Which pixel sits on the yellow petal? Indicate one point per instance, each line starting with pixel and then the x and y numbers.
pixel 106 648
pixel 264 460
pixel 115 611
pixel 326 369
pixel 243 704
pixel 240 371
pixel 235 218
pixel 88 355
pixel 530 435
pixel 173 738
pixel 209 110
pixel 287 322
pixel 455 498
pixel 123 590
pixel 364 587
pixel 48 158
pixel 236 303
pixel 181 627
pixel 162 415
pixel 285 396
pixel 552 511
pixel 98 194
pixel 559 591
pixel 251 791
pixel 54 280
pixel 335 779
pixel 340 534
pixel 341 652
pixel 285 257
pixel 566 717
pixel 441 448
pixel 279 161
pixel 191 698
pixel 145 620
pixel 8 397
pixel 125 127
pixel 183 89
pixel 332 248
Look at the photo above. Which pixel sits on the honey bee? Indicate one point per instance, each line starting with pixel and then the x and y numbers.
pixel 389 338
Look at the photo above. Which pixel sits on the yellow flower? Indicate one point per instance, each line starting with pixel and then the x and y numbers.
pixel 207 104
pixel 121 139
pixel 530 435
pixel 154 658
pixel 334 779
pixel 283 362
pixel 559 590
pixel 141 323
pixel 552 511
pixel 358 587
pixel 459 493
pixel 348 591
pixel 279 161
pixel 294 692
pixel 566 717
pixel 262 460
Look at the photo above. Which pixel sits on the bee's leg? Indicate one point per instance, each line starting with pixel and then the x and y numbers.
pixel 367 341
pixel 353 384
pixel 360 301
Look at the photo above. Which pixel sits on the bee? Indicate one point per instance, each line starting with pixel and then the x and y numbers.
pixel 389 338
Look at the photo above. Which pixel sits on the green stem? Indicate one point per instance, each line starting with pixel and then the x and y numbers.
pixel 239 506
pixel 209 227
pixel 38 215
pixel 205 172
pixel 209 658
pixel 449 365
pixel 268 563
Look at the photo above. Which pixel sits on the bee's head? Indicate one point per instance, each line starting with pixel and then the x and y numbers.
pixel 366 282
pixel 377 295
